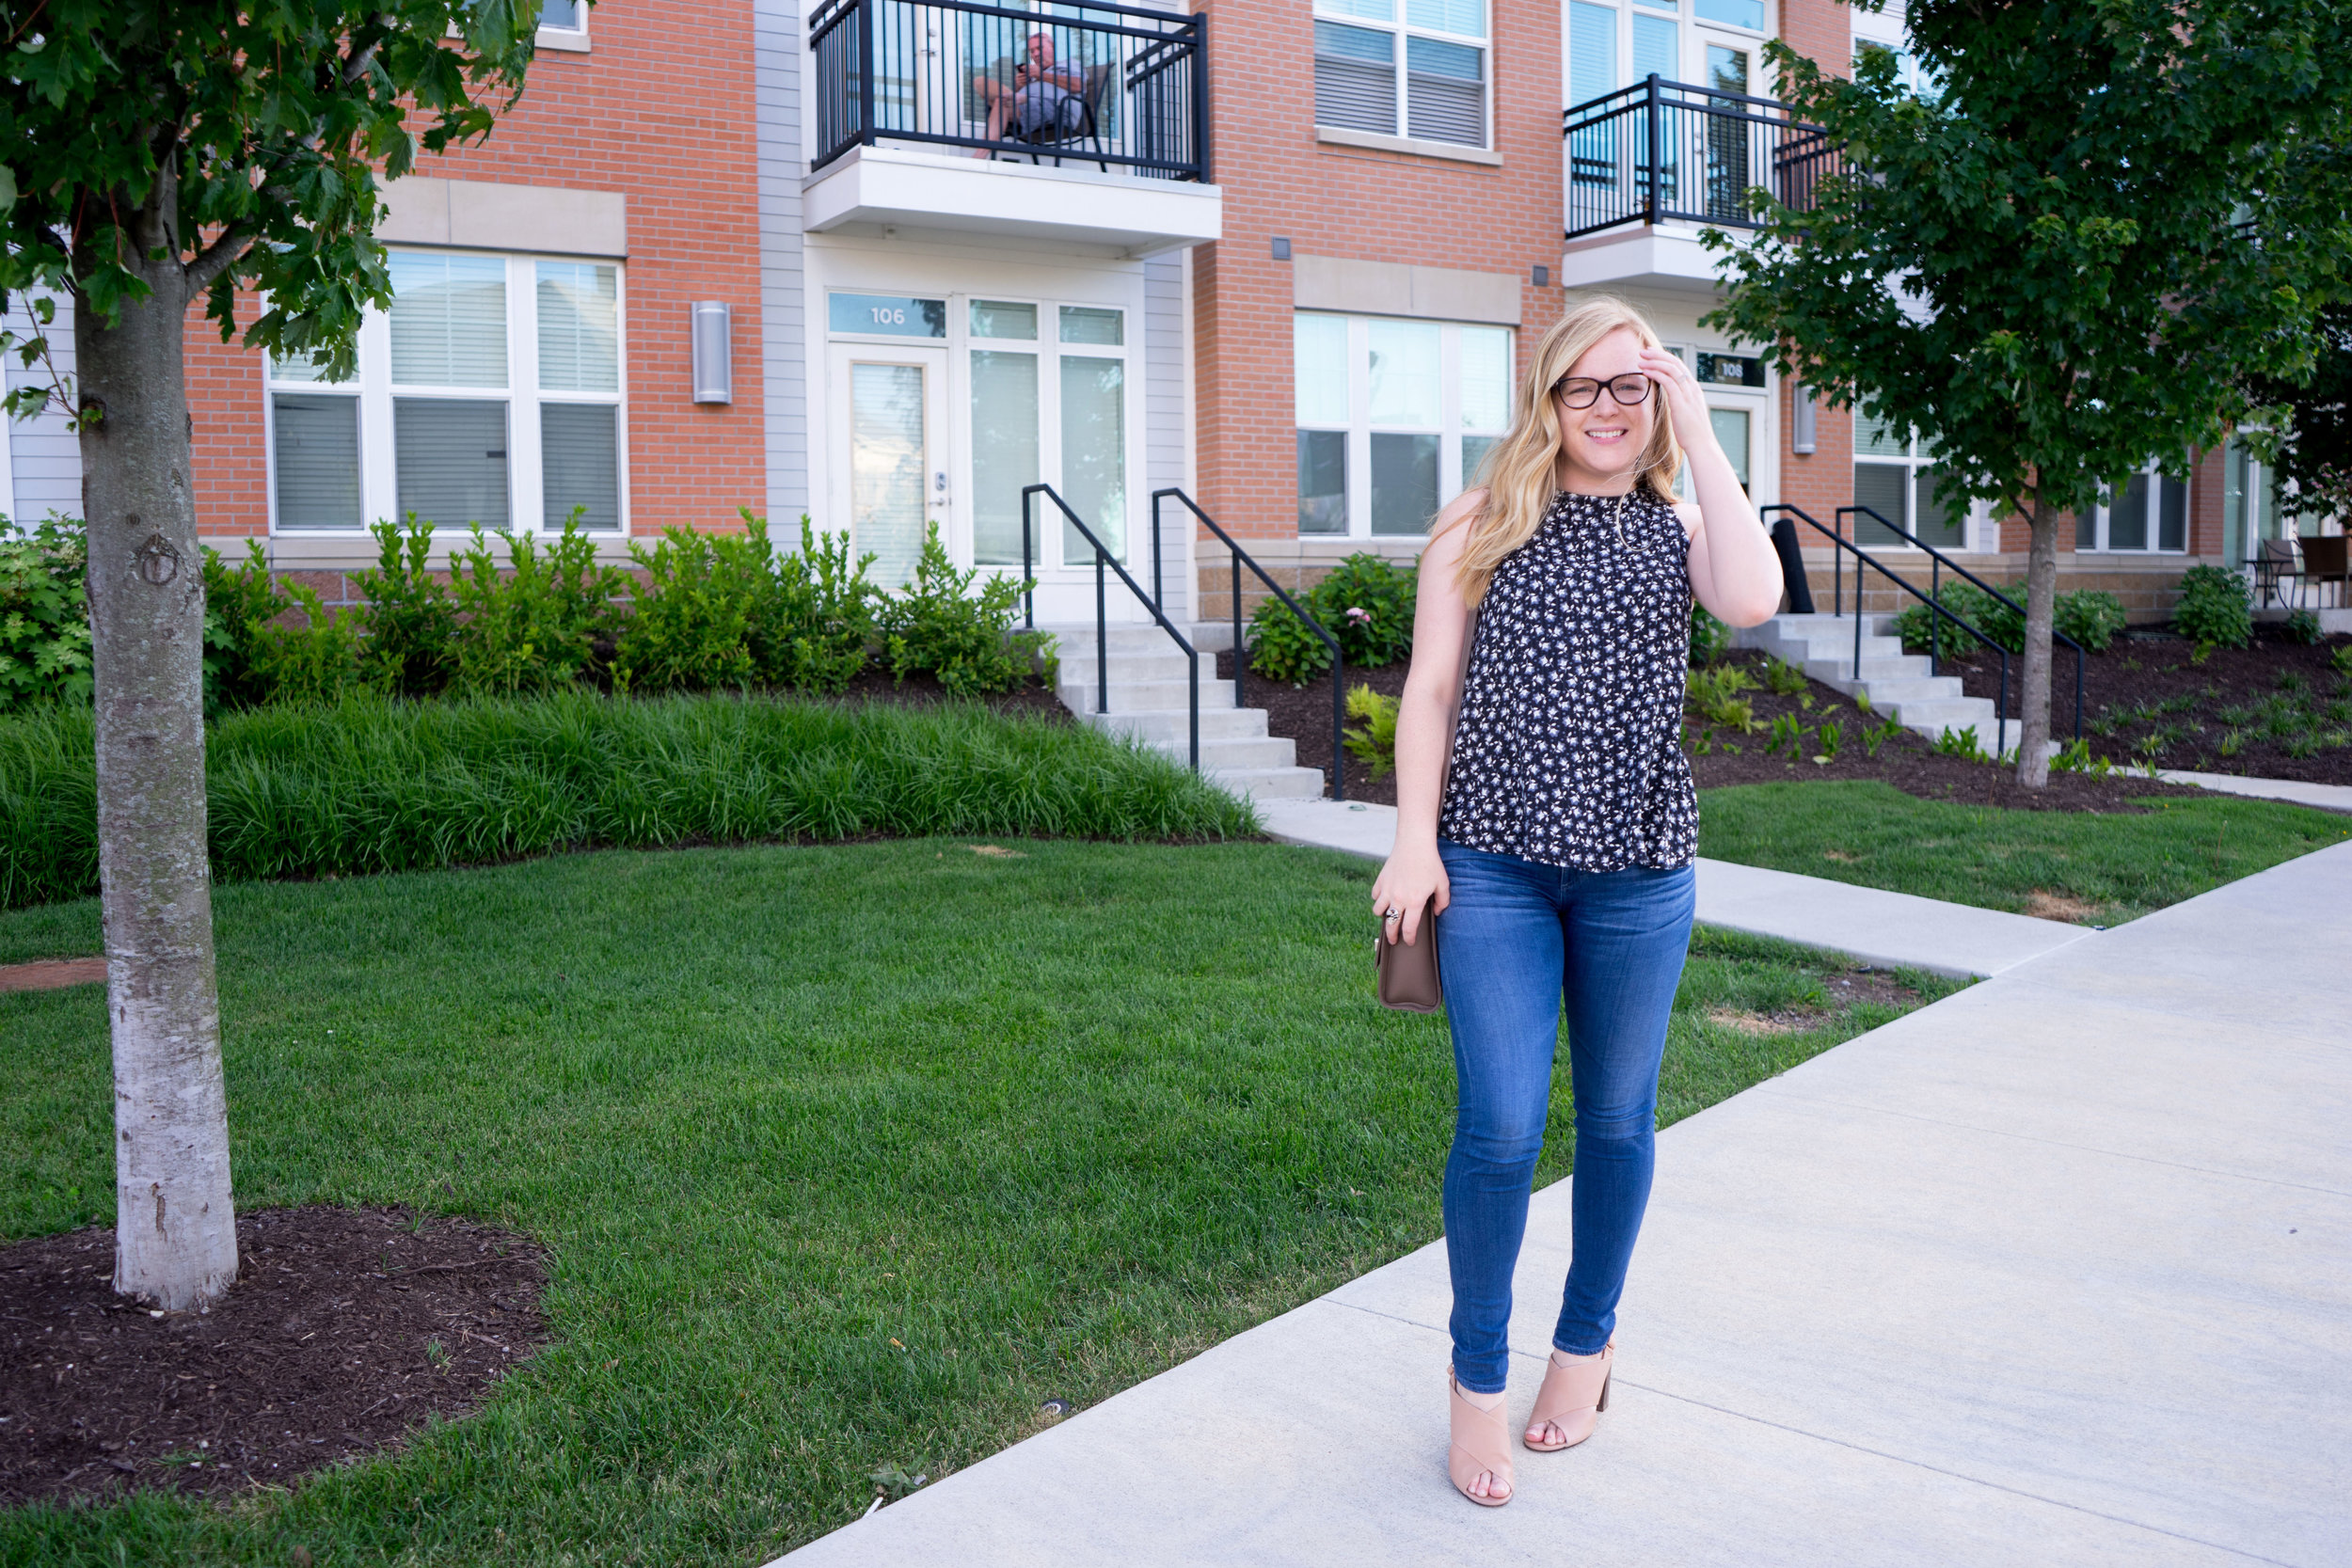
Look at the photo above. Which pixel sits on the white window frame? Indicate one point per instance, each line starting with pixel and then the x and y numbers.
pixel 574 37
pixel 1451 473
pixel 372 386
pixel 2102 517
pixel 1401 29
pixel 1691 34
pixel 1914 457
pixel 1049 348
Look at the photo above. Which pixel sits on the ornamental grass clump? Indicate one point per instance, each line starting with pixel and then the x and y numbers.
pixel 372 785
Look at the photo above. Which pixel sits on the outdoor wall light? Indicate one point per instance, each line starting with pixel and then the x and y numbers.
pixel 1802 439
pixel 714 355
pixel 1543 277
pixel 1282 248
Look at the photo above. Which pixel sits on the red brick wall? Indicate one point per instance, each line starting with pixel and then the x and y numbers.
pixel 662 110
pixel 1349 202
pixel 1820 30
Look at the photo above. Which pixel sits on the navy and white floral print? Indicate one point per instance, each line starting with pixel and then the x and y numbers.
pixel 1568 750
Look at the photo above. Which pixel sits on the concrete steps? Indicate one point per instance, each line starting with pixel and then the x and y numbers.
pixel 1151 700
pixel 1896 683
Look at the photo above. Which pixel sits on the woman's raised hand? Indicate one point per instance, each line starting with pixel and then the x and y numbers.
pixel 1678 390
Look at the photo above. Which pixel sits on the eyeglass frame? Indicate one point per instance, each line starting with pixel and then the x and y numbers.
pixel 1599 386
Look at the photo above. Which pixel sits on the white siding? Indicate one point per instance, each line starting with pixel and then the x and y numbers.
pixel 1164 417
pixel 44 457
pixel 776 86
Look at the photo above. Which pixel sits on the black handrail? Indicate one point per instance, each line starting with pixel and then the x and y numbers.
pixel 1102 614
pixel 2001 710
pixel 1937 560
pixel 1241 558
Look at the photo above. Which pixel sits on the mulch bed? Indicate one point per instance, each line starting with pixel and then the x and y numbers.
pixel 1904 760
pixel 345 1329
pixel 2147 697
pixel 874 685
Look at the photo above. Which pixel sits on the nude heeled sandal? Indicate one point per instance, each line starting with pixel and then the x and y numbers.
pixel 1482 1446
pixel 1574 1394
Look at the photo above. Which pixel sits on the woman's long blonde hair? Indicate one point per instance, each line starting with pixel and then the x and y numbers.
pixel 1518 469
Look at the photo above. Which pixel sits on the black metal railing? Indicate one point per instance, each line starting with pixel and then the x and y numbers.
pixel 1663 149
pixel 1117 85
pixel 1104 557
pixel 1243 558
pixel 1845 546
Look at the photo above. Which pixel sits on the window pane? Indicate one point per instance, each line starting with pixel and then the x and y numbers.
pixel 2171 515
pixel 1446 94
pixel 1004 453
pixel 887 452
pixel 1319 367
pixel 1094 453
pixel 2127 519
pixel 316 442
pixel 1485 378
pixel 891 315
pixel 579 464
pixel 1879 486
pixel 1591 51
pixel 560 13
pixel 1323 482
pixel 2087 529
pixel 1369 10
pixel 450 461
pixel 300 367
pixel 1405 376
pixel 1740 13
pixel 449 320
pixel 994 319
pixel 1474 449
pixel 1466 17
pixel 1730 370
pixel 1929 520
pixel 580 327
pixel 1655 48
pixel 1404 482
pixel 1876 438
pixel 1084 324
pixel 1731 434
pixel 1355 78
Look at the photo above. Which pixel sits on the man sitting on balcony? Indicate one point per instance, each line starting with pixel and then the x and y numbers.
pixel 1041 103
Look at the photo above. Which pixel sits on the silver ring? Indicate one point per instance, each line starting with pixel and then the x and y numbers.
pixel 1393 914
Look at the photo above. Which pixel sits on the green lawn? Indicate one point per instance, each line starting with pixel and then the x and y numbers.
pixel 2115 867
pixel 1051 1123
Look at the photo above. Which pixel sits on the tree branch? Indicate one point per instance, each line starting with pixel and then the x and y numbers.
pixel 219 257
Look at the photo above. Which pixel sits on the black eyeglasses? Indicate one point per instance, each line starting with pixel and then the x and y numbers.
pixel 1580 391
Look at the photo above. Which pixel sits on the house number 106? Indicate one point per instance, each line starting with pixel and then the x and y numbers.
pixel 889 315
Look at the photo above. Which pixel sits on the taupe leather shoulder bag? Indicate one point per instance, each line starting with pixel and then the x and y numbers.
pixel 1406 972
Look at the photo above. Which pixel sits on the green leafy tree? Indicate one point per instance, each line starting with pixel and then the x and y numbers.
pixel 2067 261
pixel 2308 444
pixel 154 153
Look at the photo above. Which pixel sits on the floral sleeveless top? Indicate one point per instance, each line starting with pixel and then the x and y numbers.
pixel 1568 750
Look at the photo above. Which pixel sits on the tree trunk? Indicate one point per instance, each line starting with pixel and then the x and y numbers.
pixel 175 1229
pixel 2033 741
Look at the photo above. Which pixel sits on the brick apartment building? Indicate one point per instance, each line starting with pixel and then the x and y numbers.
pixel 1285 257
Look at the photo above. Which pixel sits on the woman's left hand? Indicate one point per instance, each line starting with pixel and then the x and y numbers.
pixel 1686 406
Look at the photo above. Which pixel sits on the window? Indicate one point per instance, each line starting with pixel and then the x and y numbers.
pixel 489 392
pixel 1394 417
pixel 1910 74
pixel 1425 77
pixel 1894 476
pixel 2149 512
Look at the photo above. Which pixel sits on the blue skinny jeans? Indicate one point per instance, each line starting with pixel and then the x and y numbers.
pixel 1515 939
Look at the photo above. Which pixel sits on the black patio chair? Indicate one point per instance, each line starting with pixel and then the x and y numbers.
pixel 2323 563
pixel 1087 128
pixel 2274 563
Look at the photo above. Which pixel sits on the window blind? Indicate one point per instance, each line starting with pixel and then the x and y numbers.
pixel 450 455
pixel 1445 92
pixel 1355 78
pixel 449 320
pixel 579 464
pixel 317 442
pixel 580 327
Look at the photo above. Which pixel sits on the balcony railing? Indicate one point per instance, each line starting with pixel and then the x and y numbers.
pixel 1116 87
pixel 1661 150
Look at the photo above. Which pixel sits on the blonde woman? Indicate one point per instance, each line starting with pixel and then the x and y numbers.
pixel 1545 805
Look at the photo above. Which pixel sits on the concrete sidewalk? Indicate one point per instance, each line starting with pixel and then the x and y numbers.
pixel 1876 927
pixel 2293 791
pixel 2052 1272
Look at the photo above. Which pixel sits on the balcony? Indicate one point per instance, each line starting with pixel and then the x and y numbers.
pixel 1676 159
pixel 1087 124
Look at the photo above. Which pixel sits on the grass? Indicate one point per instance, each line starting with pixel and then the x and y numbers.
pixel 847 1157
pixel 372 786
pixel 2104 869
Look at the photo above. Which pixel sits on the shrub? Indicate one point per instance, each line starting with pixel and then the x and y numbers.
pixel 370 784
pixel 239 601
pixel 813 633
pixel 534 627
pixel 44 619
pixel 2216 611
pixel 2090 616
pixel 940 626
pixel 690 628
pixel 1375 741
pixel 411 619
pixel 1709 636
pixel 2302 626
pixel 1366 604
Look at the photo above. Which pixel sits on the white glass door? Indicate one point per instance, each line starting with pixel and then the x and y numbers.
pixel 889 457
